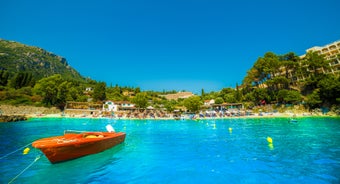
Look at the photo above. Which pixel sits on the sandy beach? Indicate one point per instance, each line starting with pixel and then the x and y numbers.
pixel 44 112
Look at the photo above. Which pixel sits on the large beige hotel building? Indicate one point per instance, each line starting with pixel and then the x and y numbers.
pixel 331 52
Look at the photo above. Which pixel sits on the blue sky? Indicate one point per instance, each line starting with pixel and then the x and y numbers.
pixel 169 44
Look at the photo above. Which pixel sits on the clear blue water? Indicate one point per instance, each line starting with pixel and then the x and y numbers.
pixel 166 151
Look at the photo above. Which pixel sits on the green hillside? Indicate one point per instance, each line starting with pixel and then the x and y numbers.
pixel 16 57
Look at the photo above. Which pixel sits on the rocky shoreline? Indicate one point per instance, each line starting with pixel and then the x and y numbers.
pixel 12 118
pixel 10 113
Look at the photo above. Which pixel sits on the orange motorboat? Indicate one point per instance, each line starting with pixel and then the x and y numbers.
pixel 73 145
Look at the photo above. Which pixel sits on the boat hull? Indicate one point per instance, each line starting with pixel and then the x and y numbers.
pixel 71 146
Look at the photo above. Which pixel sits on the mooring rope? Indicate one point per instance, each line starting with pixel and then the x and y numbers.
pixel 15 151
pixel 35 160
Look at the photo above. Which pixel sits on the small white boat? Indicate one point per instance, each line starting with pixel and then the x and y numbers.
pixel 293 121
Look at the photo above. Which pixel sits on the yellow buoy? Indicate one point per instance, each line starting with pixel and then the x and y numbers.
pixel 230 130
pixel 26 150
pixel 270 140
pixel 271 146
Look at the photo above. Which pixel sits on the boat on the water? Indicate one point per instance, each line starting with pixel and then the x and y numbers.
pixel 293 121
pixel 74 145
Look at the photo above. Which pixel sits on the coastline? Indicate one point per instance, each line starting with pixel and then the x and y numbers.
pixel 43 112
pixel 265 115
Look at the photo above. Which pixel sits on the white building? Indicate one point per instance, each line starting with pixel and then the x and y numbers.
pixel 110 106
pixel 125 105
pixel 209 102
pixel 118 106
pixel 331 52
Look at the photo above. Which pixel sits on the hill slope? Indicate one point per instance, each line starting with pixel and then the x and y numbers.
pixel 16 57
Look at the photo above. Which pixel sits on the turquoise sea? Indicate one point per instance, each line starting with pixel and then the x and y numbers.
pixel 184 151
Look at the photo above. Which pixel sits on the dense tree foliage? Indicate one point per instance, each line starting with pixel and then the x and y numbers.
pixel 287 77
pixel 56 91
pixel 140 100
pixel 170 105
pixel 193 104
pixel 99 91
pixel 4 77
pixel 330 89
pixel 313 99
pixel 22 79
pixel 114 93
pixel 289 96
pixel 219 100
pixel 52 89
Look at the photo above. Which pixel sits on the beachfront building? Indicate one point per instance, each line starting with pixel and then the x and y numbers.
pixel 209 102
pixel 110 106
pixel 125 105
pixel 83 105
pixel 331 52
pixel 118 106
pixel 226 106
pixel 84 108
